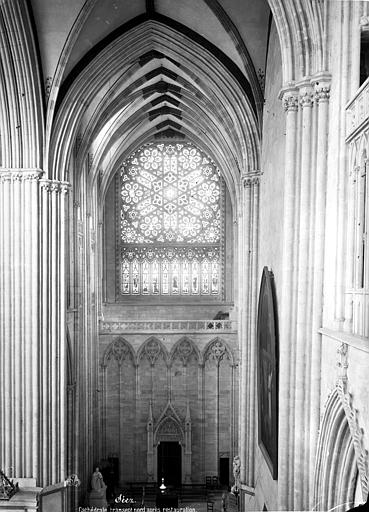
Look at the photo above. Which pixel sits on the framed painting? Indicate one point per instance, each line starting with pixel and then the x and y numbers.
pixel 267 349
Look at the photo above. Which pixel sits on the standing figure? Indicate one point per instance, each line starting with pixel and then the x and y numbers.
pixel 236 474
pixel 97 497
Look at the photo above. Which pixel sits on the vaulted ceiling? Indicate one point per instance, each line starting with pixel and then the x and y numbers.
pixel 121 73
pixel 239 28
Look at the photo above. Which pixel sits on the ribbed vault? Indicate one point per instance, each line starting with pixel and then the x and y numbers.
pixel 153 82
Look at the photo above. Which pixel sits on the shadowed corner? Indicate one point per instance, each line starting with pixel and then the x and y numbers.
pixel 362 508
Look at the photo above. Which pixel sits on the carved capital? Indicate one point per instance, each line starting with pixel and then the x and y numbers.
pixel 20 175
pixel 322 93
pixel 55 186
pixel 64 187
pixel 251 178
pixel 290 102
pixel 306 98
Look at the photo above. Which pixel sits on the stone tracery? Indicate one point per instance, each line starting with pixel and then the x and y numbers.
pixel 171 222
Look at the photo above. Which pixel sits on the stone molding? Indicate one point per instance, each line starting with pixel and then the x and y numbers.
pixel 346 399
pixel 357 434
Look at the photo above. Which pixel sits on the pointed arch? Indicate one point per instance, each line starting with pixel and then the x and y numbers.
pixel 209 97
pixel 338 455
pixel 120 350
pixel 21 100
pixel 217 349
pixel 169 426
pixel 184 348
pixel 301 27
pixel 152 348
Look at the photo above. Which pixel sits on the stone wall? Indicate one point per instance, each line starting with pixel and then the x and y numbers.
pixel 189 380
pixel 271 222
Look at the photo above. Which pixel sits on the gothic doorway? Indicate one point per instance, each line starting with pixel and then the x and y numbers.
pixel 170 462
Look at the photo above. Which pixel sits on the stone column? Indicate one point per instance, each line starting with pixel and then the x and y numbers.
pixel 302 287
pixel 285 483
pixel 248 239
pixel 301 353
pixel 32 349
pixel 340 130
pixel 19 348
pixel 243 320
pixel 54 321
pixel 322 92
pixel 254 292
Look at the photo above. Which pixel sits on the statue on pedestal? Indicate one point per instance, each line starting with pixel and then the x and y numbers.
pixel 236 474
pixel 97 496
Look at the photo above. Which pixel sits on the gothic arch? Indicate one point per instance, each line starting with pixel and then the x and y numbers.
pixel 119 349
pixel 216 99
pixel 168 429
pixel 184 349
pixel 217 349
pixel 152 348
pixel 301 28
pixel 21 101
pixel 340 455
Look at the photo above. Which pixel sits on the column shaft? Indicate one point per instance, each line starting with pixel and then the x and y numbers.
pixel 285 478
pixel 302 296
pixel 322 97
pixel 244 320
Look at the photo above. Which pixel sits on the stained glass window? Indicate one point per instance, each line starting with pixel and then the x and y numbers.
pixel 171 222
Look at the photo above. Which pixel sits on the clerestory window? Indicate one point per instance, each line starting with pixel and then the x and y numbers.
pixel 171 202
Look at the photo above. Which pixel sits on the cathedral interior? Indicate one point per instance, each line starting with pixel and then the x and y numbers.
pixel 184 261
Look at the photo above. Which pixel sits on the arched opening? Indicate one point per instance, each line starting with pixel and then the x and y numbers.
pixel 134 276
pixel 171 224
pixel 337 479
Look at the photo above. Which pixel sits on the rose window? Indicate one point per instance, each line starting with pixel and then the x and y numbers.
pixel 171 222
